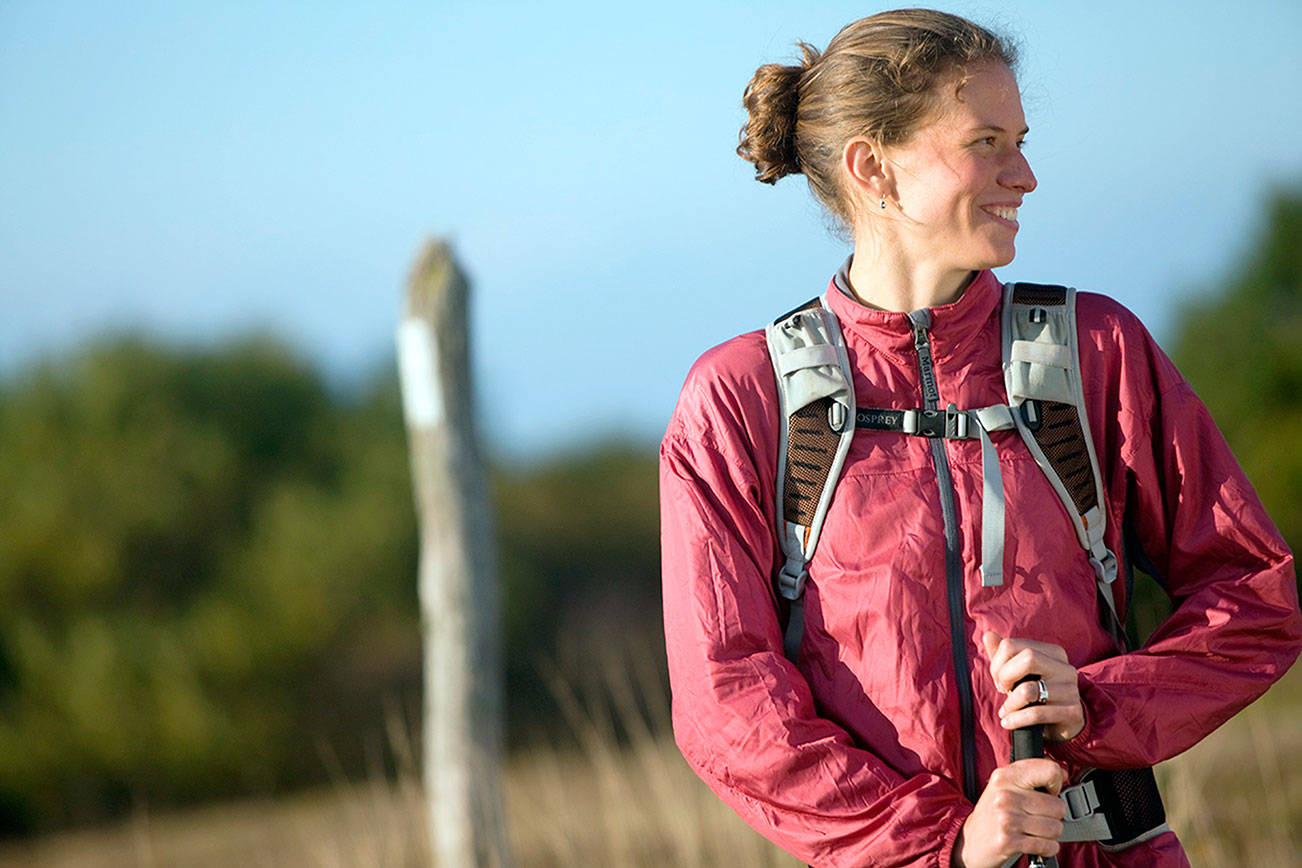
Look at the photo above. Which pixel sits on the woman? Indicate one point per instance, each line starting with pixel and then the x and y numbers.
pixel 888 743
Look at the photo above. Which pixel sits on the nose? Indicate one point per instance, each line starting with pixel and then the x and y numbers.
pixel 1017 174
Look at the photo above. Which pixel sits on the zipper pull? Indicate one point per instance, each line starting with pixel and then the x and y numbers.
pixel 921 321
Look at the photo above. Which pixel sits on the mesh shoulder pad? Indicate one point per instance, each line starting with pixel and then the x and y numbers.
pixel 1045 391
pixel 816 397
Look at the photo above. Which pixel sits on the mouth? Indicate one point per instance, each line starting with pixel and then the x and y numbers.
pixel 1003 213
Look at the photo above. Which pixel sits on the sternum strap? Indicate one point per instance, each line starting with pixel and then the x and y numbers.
pixel 955 424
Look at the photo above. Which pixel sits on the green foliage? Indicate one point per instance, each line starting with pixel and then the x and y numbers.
pixel 193 545
pixel 209 567
pixel 580 558
pixel 1241 349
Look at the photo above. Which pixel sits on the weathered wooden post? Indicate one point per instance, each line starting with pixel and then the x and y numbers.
pixel 458 575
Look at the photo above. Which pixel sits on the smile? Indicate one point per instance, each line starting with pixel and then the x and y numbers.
pixel 1003 212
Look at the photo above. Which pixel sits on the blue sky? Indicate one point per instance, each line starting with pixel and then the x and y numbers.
pixel 198 170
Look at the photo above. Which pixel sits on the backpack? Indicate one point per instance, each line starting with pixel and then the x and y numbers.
pixel 1046 406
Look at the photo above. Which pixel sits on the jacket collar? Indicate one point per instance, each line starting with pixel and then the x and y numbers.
pixel 953 325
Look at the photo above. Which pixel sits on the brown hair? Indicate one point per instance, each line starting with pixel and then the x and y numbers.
pixel 877 78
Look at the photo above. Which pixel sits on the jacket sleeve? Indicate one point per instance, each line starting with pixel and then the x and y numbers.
pixel 1235 626
pixel 743 715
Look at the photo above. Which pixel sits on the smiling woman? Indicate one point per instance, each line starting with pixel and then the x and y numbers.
pixel 852 658
pixel 948 196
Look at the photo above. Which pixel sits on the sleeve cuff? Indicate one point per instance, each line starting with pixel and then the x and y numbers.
pixel 1071 750
pixel 946 854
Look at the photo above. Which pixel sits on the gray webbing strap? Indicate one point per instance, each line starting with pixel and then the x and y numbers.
pixel 987 419
pixel 800 358
pixel 1159 829
pixel 1042 374
pixel 795 631
pixel 791 585
pixel 812 368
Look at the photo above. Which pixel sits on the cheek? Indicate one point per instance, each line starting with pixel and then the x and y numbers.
pixel 942 198
pixel 941 208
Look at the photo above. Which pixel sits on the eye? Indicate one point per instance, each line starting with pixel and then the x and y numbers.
pixel 993 141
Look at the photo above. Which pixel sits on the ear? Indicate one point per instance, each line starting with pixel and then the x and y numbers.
pixel 866 173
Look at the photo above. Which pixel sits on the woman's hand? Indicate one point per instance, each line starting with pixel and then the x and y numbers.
pixel 1011 660
pixel 1011 817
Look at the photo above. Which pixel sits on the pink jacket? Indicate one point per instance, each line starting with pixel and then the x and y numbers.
pixel 854 757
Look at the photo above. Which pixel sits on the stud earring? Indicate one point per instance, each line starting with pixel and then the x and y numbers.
pixel 883 203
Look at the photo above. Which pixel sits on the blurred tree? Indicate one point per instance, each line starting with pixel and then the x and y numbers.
pixel 1241 349
pixel 201 554
pixel 208 563
pixel 1240 346
pixel 580 550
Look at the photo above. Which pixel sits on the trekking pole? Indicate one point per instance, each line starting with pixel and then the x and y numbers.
pixel 1028 743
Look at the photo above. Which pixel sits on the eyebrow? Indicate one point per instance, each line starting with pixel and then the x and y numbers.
pixel 998 129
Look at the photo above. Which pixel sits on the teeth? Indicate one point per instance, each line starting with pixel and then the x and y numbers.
pixel 1005 213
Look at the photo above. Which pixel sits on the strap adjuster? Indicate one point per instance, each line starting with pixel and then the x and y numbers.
pixel 1105 567
pixel 950 423
pixel 1031 414
pixel 1085 819
pixel 1082 800
pixel 791 584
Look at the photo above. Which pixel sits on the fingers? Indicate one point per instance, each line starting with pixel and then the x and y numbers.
pixel 1030 775
pixel 1060 722
pixel 1062 715
pixel 998 651
pixel 1029 835
pixel 1028 694
pixel 1014 659
pixel 1002 844
pixel 1012 816
pixel 1030 661
pixel 990 639
pixel 1033 846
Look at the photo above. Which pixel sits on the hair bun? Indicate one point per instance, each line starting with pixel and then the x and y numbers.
pixel 768 138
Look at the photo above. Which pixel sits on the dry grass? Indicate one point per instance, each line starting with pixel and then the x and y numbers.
pixel 1235 800
pixel 633 803
pixel 1236 797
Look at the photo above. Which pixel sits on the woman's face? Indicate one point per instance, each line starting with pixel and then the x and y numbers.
pixel 959 180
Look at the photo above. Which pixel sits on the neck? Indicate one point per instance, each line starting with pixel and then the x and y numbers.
pixel 882 278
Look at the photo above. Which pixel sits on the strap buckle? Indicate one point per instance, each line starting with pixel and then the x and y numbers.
pixel 931 423
pixel 1030 410
pixel 791 579
pixel 950 423
pixel 1085 819
pixel 1105 567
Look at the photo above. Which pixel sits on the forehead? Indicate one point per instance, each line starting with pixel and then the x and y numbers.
pixel 982 95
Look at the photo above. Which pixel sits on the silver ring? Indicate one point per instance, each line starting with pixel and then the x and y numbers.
pixel 1044 692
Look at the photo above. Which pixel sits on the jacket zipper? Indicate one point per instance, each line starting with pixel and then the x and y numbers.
pixel 921 321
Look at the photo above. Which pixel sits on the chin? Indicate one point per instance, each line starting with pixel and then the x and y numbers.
pixel 996 258
pixel 992 254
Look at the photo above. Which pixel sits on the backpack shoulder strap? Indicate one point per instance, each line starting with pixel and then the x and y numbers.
pixel 1043 377
pixel 817 405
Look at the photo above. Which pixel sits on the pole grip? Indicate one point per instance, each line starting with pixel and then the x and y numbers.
pixel 1028 743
